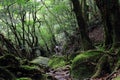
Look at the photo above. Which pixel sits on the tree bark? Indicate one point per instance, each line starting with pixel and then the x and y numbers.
pixel 115 13
pixel 85 41
pixel 110 13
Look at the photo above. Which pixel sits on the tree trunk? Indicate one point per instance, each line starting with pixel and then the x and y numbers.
pixel 115 13
pixel 110 13
pixel 86 43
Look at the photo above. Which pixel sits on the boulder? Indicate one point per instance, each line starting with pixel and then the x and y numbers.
pixel 83 65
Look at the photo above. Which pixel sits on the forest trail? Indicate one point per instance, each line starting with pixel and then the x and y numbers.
pixel 64 74
pixel 61 73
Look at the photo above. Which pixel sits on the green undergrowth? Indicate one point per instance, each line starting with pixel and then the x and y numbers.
pixel 83 65
pixel 24 78
pixel 57 61
pixel 117 78
pixel 27 67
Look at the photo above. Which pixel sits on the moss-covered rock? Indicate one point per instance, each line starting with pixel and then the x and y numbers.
pixel 16 67
pixel 26 71
pixel 56 62
pixel 83 65
pixel 41 61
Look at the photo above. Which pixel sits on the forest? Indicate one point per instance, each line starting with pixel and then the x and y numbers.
pixel 59 39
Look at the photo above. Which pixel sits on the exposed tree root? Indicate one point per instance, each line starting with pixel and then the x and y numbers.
pixel 102 67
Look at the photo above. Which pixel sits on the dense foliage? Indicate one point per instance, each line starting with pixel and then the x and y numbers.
pixel 38 35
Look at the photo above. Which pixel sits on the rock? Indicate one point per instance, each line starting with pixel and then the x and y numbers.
pixel 82 65
pixel 41 61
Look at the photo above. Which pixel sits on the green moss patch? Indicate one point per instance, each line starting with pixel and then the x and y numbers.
pixel 56 62
pixel 83 64
pixel 24 78
pixel 117 78
pixel 73 55
pixel 26 67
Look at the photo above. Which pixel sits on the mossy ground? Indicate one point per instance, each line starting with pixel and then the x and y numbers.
pixel 57 61
pixel 117 78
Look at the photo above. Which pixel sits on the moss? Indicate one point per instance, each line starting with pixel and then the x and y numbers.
pixel 102 67
pixel 56 62
pixel 32 72
pixel 73 55
pixel 24 78
pixel 19 68
pixel 117 78
pixel 41 61
pixel 26 67
pixel 82 66
pixel 29 69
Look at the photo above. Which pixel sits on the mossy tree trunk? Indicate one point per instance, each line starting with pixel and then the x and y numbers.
pixel 85 41
pixel 110 13
pixel 85 8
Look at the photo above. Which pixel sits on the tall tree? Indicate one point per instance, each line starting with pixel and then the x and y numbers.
pixel 85 41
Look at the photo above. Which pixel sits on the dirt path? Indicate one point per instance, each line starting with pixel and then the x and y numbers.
pixel 64 74
pixel 61 73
